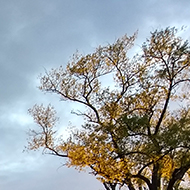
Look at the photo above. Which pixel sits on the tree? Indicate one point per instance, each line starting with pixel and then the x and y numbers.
pixel 136 131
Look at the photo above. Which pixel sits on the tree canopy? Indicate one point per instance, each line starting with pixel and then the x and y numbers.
pixel 136 132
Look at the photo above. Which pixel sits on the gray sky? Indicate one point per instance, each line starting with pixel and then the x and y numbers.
pixel 41 34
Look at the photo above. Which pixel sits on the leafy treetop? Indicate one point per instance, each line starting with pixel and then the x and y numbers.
pixel 132 135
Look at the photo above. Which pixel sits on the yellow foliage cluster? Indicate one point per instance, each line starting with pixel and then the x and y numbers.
pixel 167 167
pixel 98 156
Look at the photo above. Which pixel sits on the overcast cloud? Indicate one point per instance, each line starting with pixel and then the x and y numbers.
pixel 41 34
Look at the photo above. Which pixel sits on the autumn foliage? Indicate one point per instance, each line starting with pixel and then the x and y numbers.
pixel 136 132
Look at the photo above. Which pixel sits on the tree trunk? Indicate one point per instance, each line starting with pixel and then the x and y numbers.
pixel 130 186
pixel 155 177
pixel 110 186
pixel 177 175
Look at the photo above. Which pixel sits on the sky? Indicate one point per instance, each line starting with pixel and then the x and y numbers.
pixel 39 35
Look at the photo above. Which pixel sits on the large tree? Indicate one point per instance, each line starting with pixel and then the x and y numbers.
pixel 136 131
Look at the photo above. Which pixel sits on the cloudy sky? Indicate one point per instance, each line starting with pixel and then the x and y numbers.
pixel 41 34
